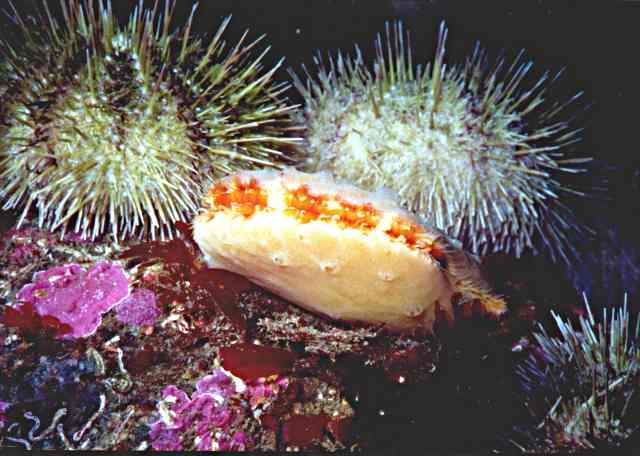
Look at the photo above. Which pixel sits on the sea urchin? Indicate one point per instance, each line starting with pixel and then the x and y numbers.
pixel 110 128
pixel 586 380
pixel 457 143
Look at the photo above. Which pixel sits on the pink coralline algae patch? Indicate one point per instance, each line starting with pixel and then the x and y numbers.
pixel 75 296
pixel 139 308
pixel 212 417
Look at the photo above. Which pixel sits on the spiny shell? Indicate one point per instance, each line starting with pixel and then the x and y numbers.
pixel 110 128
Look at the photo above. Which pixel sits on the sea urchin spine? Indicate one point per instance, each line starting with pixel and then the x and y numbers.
pixel 110 128
pixel 465 146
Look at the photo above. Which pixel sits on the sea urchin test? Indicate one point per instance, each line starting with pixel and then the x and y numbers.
pixel 108 127
pixel 336 250
pixel 468 147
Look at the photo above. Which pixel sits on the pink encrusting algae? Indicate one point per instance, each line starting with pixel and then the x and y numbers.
pixel 139 309
pixel 214 414
pixel 75 296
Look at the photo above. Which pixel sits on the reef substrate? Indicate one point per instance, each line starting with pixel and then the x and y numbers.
pixel 200 358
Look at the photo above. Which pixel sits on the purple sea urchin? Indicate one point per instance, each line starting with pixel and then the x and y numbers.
pixel 455 142
pixel 587 381
pixel 110 128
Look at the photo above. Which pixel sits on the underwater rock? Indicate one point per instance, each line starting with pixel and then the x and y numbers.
pixel 75 296
pixel 302 430
pixel 33 325
pixel 251 362
pixel 53 389
pixel 306 348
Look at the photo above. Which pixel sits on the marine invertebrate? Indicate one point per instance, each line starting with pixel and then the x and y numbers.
pixel 335 249
pixel 582 386
pixel 110 128
pixel 465 146
pixel 31 437
pixel 75 297
pixel 3 408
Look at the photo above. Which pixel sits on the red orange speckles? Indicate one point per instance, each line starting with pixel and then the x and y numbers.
pixel 247 197
pixel 242 197
pixel 307 207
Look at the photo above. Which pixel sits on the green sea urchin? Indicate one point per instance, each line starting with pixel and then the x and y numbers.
pixel 587 381
pixel 111 128
pixel 456 143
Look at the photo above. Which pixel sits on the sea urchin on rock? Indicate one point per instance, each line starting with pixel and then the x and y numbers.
pixel 110 128
pixel 459 144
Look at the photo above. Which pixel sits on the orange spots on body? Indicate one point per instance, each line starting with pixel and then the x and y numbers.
pixel 306 207
pixel 246 197
pixel 242 197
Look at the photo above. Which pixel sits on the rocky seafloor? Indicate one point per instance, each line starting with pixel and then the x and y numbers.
pixel 141 346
